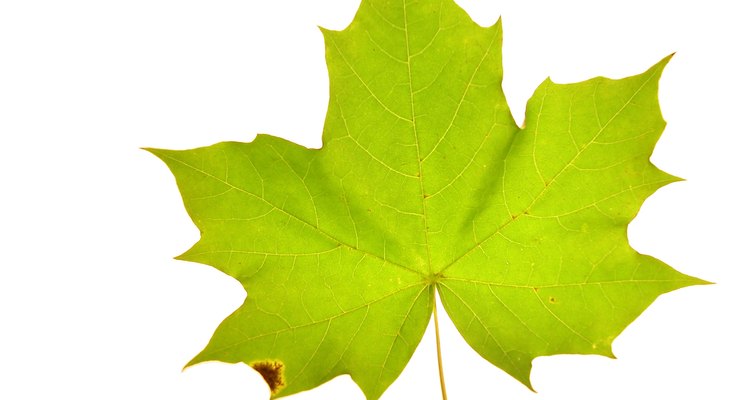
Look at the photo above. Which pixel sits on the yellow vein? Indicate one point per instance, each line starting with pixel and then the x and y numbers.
pixel 463 96
pixel 315 228
pixel 557 175
pixel 364 84
pixel 365 305
pixel 356 142
pixel 416 140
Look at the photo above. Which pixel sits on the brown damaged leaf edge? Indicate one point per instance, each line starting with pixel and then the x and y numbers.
pixel 272 372
pixel 426 187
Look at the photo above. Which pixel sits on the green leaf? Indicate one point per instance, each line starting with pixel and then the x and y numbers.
pixel 425 183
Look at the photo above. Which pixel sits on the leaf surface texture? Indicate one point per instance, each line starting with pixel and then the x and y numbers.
pixel 425 184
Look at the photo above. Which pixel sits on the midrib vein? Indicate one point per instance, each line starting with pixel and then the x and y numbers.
pixel 300 220
pixel 365 305
pixel 548 184
pixel 416 140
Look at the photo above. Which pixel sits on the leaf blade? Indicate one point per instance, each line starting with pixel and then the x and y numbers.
pixel 425 182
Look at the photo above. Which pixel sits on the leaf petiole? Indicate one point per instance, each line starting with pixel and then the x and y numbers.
pixel 437 343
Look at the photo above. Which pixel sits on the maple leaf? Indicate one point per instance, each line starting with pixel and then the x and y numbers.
pixel 425 184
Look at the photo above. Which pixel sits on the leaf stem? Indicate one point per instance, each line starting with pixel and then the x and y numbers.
pixel 437 343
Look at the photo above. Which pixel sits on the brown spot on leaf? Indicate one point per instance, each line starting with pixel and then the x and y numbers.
pixel 552 300
pixel 272 372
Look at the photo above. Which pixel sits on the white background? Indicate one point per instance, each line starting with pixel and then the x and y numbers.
pixel 93 307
